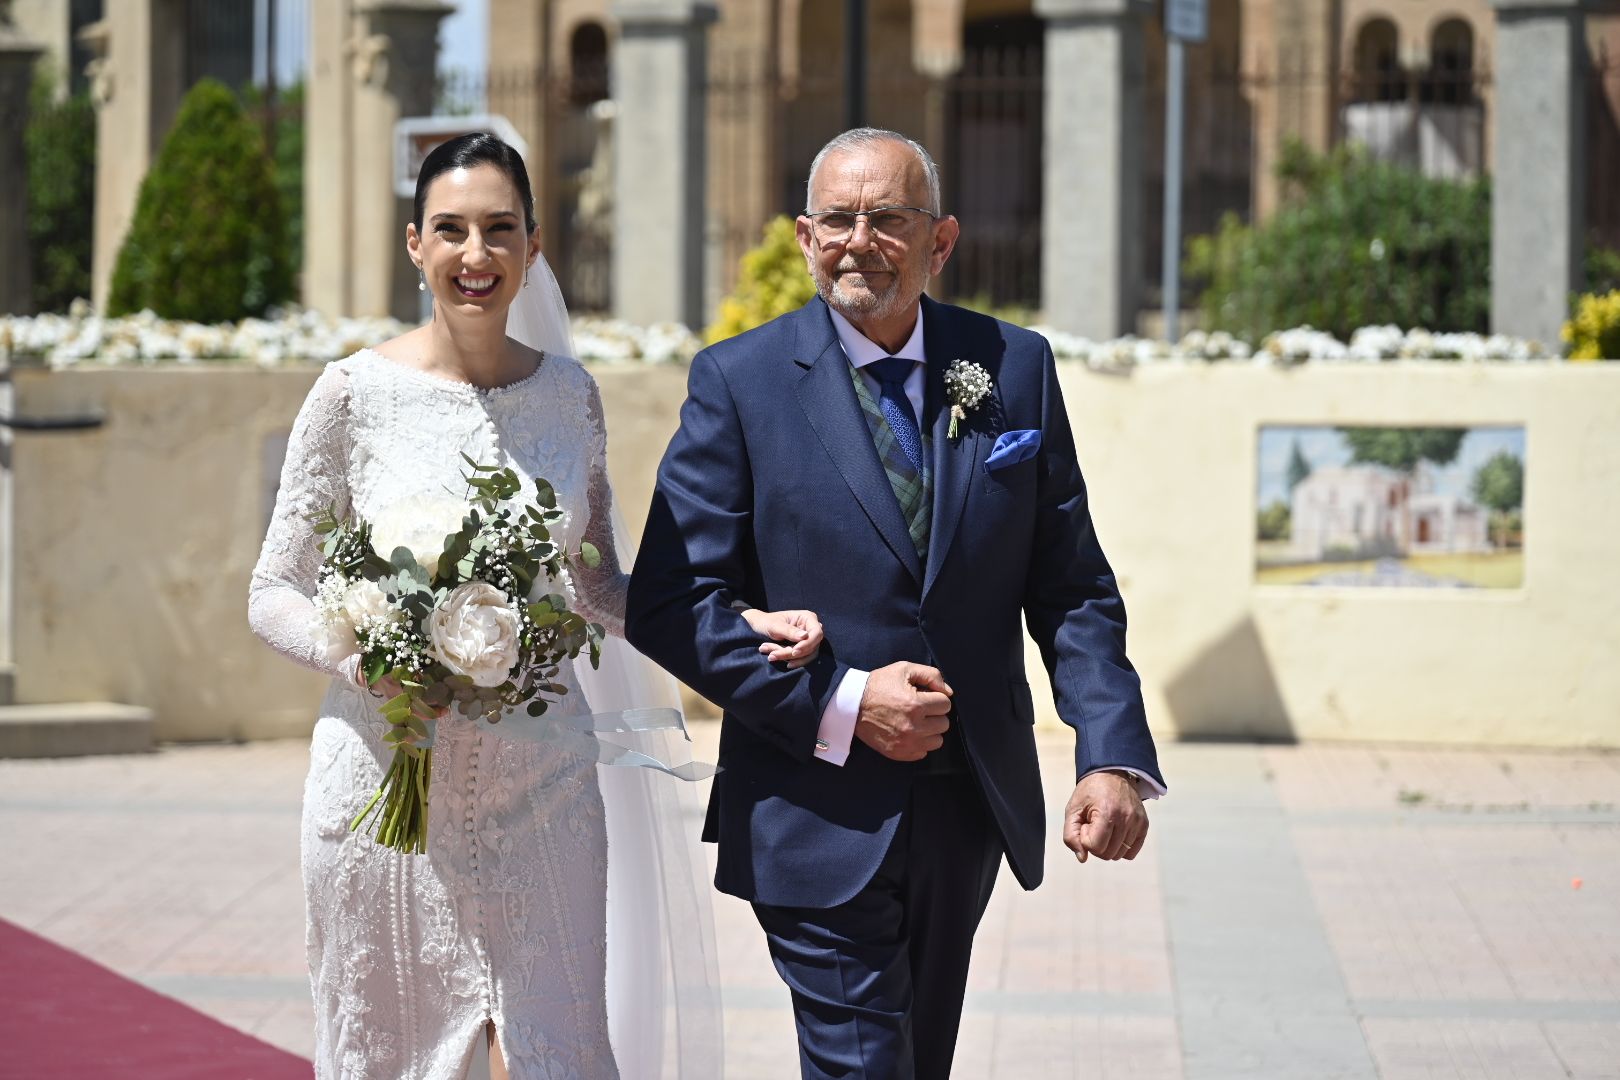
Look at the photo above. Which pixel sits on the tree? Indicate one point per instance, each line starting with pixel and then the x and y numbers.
pixel 1275 522
pixel 286 112
pixel 60 145
pixel 1403 447
pixel 209 240
pixel 1299 467
pixel 1358 242
pixel 1499 485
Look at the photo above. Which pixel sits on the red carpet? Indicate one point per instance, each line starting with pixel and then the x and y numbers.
pixel 62 1015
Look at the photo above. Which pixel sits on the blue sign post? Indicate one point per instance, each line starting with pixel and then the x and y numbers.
pixel 1184 21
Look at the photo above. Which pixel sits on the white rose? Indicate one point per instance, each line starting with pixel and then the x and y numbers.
pixel 334 639
pixel 419 523
pixel 364 600
pixel 475 633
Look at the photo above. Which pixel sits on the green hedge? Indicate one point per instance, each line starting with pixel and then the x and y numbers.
pixel 60 146
pixel 209 239
pixel 1356 243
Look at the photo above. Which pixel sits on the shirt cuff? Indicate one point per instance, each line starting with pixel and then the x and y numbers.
pixel 1146 786
pixel 837 729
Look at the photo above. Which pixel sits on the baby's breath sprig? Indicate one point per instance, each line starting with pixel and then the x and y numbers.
pixel 502 544
pixel 966 384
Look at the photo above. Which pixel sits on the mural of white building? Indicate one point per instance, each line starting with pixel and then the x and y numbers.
pixel 1374 509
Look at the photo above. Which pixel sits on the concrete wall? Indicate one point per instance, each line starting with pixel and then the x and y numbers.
pixel 134 546
pixel 135 543
pixel 1169 454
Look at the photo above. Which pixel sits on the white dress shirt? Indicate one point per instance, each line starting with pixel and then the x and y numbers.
pixel 837 730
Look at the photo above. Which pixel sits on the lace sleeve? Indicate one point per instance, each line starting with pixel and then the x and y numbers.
pixel 313 477
pixel 601 592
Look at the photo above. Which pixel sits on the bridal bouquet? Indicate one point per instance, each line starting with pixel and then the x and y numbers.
pixel 446 599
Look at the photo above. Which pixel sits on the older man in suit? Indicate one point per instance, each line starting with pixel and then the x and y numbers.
pixel 905 469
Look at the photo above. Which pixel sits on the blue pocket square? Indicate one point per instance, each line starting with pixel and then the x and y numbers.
pixel 1013 447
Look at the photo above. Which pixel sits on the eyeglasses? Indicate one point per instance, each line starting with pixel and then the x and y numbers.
pixel 885 222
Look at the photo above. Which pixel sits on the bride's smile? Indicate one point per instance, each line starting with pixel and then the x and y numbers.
pixel 474 247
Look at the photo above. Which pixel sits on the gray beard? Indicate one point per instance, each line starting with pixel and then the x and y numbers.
pixel 865 305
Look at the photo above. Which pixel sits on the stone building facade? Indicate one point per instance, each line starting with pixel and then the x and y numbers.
pixel 1410 78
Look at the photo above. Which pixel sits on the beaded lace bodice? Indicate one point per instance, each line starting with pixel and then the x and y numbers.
pixel 373 432
pixel 504 918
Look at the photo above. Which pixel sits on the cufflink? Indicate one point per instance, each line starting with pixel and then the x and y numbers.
pixel 821 744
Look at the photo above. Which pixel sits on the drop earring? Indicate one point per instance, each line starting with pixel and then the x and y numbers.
pixel 525 277
pixel 421 281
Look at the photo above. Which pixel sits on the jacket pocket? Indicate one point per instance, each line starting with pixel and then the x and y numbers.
pixel 1023 702
pixel 1017 477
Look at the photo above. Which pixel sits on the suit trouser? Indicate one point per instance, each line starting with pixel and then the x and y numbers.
pixel 877 982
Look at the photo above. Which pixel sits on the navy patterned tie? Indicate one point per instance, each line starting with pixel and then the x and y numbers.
pixel 891 373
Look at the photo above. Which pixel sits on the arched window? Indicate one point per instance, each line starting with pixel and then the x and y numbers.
pixel 587 64
pixel 1450 79
pixel 1378 67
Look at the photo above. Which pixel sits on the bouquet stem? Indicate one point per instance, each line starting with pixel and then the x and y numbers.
pixel 400 806
pixel 399 809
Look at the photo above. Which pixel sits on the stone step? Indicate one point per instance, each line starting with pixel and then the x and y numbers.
pixel 74 730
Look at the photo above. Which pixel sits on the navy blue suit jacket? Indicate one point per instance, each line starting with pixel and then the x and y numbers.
pixel 772 492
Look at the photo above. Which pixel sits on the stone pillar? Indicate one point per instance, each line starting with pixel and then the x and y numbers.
pixel 1538 196
pixel 327 278
pixel 1091 229
pixel 396 56
pixel 1290 58
pixel 660 149
pixel 136 82
pixel 372 63
pixel 47 22
pixel 522 88
pixel 17 58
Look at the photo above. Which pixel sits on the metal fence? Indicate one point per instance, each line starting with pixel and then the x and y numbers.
pixel 1603 151
pixel 984 125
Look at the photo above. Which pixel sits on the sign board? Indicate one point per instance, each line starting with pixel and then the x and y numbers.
pixel 1187 20
pixel 416 136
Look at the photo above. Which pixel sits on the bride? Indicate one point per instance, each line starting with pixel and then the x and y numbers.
pixel 559 906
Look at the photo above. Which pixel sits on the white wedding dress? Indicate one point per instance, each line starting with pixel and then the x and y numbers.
pixel 505 917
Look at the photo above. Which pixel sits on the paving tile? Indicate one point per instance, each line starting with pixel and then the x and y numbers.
pixel 1464 1049
pixel 1421 899
pixel 1588 1051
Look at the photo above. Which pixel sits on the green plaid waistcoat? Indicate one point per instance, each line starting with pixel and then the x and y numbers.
pixel 915 493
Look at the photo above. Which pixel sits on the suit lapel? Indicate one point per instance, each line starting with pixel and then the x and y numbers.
pixel 828 398
pixel 954 459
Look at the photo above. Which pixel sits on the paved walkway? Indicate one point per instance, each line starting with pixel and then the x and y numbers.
pixel 1300 912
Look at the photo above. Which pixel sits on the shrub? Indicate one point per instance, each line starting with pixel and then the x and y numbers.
pixel 60 145
pixel 1602 268
pixel 1593 333
pixel 209 240
pixel 1357 242
pixel 288 155
pixel 773 282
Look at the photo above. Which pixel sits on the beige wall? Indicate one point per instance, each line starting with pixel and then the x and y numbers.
pixel 135 543
pixel 1169 453
pixel 134 546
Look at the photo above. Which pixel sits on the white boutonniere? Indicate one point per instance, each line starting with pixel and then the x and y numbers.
pixel 966 384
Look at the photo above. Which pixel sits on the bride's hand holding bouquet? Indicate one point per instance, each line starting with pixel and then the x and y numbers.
pixel 445 603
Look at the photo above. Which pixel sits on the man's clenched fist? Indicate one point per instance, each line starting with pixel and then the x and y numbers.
pixel 903 712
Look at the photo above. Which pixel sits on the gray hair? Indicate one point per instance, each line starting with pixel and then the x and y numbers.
pixel 863 137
